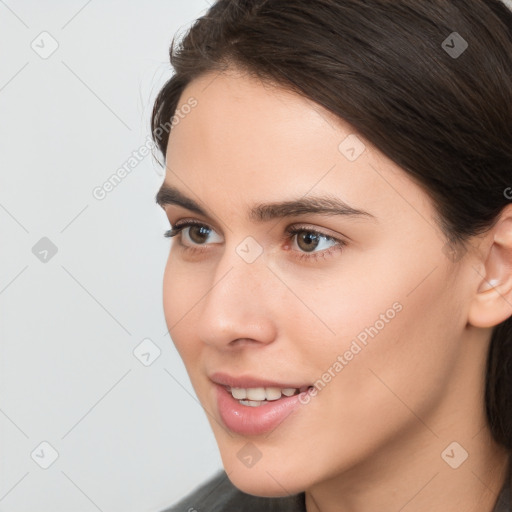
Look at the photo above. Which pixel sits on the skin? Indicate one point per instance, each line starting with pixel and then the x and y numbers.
pixel 372 438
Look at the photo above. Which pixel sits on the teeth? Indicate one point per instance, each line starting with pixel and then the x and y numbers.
pixel 239 393
pixel 252 403
pixel 254 396
pixel 272 393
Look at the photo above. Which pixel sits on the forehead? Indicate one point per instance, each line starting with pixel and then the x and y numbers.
pixel 248 139
pixel 257 109
pixel 241 124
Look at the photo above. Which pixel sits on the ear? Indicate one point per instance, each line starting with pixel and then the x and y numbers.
pixel 492 303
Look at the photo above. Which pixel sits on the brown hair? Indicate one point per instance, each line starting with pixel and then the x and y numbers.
pixel 390 69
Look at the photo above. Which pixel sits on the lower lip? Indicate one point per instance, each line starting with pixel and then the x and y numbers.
pixel 247 420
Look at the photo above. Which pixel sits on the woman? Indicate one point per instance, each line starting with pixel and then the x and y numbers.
pixel 339 185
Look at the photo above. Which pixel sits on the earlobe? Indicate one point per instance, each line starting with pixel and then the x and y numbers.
pixel 492 303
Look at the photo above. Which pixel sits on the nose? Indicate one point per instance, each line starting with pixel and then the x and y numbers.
pixel 237 309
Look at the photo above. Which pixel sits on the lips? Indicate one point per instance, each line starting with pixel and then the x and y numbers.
pixel 255 382
pixel 264 406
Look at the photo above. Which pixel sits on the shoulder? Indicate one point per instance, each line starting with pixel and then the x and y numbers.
pixel 218 494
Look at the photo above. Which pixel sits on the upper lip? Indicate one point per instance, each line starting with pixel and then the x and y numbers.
pixel 249 381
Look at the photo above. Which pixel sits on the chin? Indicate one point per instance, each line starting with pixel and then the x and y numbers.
pixel 262 483
pixel 270 478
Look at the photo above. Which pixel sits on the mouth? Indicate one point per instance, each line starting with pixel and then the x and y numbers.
pixel 255 390
pixel 254 406
pixel 258 396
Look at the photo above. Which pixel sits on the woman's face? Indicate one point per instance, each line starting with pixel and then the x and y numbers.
pixel 371 311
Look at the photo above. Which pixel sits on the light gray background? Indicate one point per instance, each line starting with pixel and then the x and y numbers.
pixel 129 437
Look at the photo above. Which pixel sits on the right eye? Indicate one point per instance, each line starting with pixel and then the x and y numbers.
pixel 193 232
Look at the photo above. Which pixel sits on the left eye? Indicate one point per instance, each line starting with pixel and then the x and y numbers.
pixel 309 240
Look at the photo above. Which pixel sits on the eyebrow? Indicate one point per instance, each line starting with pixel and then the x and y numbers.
pixel 320 205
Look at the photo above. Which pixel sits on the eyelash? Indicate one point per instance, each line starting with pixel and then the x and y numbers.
pixel 290 233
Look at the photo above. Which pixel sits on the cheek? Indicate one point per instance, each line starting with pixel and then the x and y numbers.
pixel 401 358
pixel 394 325
pixel 340 310
pixel 179 298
